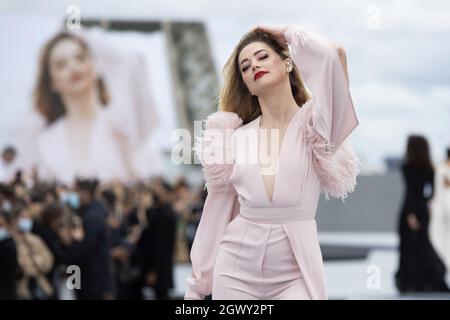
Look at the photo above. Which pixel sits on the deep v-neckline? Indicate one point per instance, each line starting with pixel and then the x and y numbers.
pixel 96 128
pixel 271 198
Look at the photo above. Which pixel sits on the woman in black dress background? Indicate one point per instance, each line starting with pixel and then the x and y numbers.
pixel 420 268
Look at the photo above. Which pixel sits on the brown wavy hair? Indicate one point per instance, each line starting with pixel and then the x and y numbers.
pixel 48 102
pixel 235 96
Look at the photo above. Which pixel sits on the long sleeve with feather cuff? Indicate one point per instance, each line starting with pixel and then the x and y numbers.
pixel 214 149
pixel 332 116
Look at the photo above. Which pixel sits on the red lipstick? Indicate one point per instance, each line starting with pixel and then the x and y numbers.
pixel 259 74
pixel 76 76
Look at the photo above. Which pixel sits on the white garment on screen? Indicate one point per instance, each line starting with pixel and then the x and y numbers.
pixel 55 161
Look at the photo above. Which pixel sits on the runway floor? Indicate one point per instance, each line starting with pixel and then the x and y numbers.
pixel 358 266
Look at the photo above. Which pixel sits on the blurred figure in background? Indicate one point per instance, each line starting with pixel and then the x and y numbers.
pixel 182 204
pixel 92 250
pixel 440 217
pixel 156 247
pixel 51 227
pixel 72 98
pixel 420 268
pixel 34 258
pixel 8 258
pixel 8 169
pixel 123 243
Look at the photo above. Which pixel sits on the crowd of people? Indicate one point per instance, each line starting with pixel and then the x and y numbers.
pixel 123 239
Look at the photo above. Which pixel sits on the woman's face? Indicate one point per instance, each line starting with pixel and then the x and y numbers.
pixel 71 68
pixel 261 67
pixel 145 200
pixel 57 224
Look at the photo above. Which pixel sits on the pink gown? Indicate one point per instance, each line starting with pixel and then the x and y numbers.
pixel 248 246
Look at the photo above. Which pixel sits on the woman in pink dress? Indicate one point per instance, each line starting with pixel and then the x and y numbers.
pixel 257 238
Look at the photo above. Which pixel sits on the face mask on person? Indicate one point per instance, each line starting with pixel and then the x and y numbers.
pixel 25 224
pixel 4 233
pixel 64 196
pixel 7 206
pixel 74 200
pixel 71 199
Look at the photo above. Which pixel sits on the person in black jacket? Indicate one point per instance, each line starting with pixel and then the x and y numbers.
pixel 420 268
pixel 93 251
pixel 157 245
pixel 122 244
pixel 8 259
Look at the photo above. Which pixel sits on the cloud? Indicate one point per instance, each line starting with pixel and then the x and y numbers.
pixel 389 113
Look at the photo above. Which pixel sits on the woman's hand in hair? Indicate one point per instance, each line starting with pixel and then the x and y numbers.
pixel 276 32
